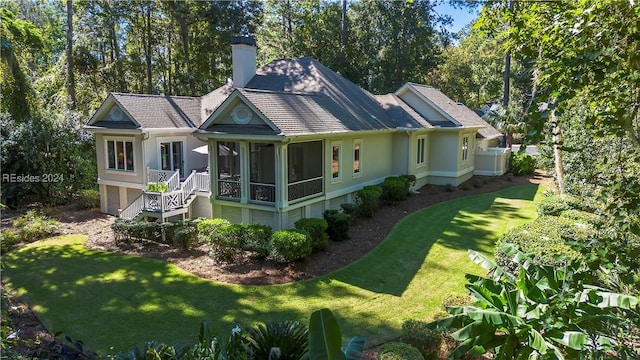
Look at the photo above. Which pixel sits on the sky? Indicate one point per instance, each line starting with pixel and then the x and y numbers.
pixel 461 17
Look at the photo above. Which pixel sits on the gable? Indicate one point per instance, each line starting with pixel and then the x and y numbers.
pixel 237 115
pixel 111 115
pixel 434 115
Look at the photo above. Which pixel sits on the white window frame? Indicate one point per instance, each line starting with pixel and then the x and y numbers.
pixel 357 142
pixel 338 178
pixel 124 140
pixel 465 148
pixel 421 156
pixel 172 139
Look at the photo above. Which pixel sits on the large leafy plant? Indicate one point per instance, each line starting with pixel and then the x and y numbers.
pixel 542 312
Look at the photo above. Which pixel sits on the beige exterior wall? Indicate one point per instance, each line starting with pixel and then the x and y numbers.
pixel 421 107
pixel 192 159
pixel 492 162
pixel 135 176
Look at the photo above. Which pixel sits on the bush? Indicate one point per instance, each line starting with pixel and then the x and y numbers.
pixel 399 351
pixel 410 180
pixel 290 245
pixel 258 239
pixel 185 234
pixel 317 229
pixel 349 208
pixel 128 231
pixel 208 227
pixel 33 226
pixel 290 337
pixel 417 334
pixel 88 199
pixel 338 225
pixel 395 189
pixel 522 164
pixel 367 200
pixel 8 238
pixel 545 239
pixel 228 242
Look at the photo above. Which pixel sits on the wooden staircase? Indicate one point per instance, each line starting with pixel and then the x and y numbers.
pixel 173 202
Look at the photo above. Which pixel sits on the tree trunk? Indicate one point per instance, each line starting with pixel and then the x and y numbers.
pixel 557 151
pixel 147 47
pixel 71 83
pixel 343 37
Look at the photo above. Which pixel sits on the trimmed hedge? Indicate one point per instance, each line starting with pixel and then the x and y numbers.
pixel 317 229
pixel 207 227
pixel 545 239
pixel 338 229
pixel 181 234
pixel 258 239
pixel 367 200
pixel 395 189
pixel 427 341
pixel 290 245
pixel 228 242
pixel 398 351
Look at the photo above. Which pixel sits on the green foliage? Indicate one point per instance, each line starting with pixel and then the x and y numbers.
pixel 540 312
pixel 545 239
pixel 418 334
pixel 181 234
pixel 398 351
pixel 395 189
pixel 521 164
pixel 228 242
pixel 290 245
pixel 257 239
pixel 367 200
pixel 349 208
pixel 185 234
pixel 208 227
pixel 8 238
pixel 88 199
pixel 317 229
pixel 127 231
pixel 288 339
pixel 33 226
pixel 158 187
pixel 338 225
pixel 325 338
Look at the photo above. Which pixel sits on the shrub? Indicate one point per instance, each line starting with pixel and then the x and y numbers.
pixel 522 164
pixel 34 226
pixel 545 239
pixel 291 338
pixel 417 334
pixel 394 189
pixel 158 187
pixel 8 238
pixel 185 234
pixel 88 199
pixel 258 239
pixel 127 231
pixel 349 208
pixel 290 245
pixel 367 200
pixel 228 242
pixel 338 225
pixel 410 180
pixel 207 227
pixel 399 351
pixel 317 229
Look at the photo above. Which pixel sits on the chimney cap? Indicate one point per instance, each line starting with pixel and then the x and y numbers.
pixel 245 40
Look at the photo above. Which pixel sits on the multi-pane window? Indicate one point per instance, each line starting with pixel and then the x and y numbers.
pixel 171 156
pixel 120 155
pixel 420 155
pixel 336 154
pixel 357 150
pixel 465 148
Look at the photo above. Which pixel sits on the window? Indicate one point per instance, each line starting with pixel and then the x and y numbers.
pixel 357 150
pixel 465 148
pixel 420 155
pixel 172 156
pixel 336 154
pixel 120 155
pixel 228 169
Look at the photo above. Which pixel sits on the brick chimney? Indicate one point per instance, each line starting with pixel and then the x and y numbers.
pixel 243 57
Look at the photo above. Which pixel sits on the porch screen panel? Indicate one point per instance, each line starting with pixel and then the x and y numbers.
pixel 304 170
pixel 262 165
pixel 229 169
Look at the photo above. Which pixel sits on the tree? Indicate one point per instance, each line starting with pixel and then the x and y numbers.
pixel 71 83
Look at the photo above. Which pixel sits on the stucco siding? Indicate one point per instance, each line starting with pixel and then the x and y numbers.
pixel 421 107
pixel 135 176
pixel 113 200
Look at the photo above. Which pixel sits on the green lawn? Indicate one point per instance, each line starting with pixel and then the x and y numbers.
pixel 113 302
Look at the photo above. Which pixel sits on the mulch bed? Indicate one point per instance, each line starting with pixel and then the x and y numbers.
pixel 365 234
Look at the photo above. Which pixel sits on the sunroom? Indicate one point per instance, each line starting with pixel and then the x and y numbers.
pixel 268 173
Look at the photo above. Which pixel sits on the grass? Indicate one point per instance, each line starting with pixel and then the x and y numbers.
pixel 113 302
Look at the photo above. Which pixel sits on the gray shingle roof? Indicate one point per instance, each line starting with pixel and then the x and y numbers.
pixel 341 96
pixel 157 111
pixel 459 112
pixel 402 113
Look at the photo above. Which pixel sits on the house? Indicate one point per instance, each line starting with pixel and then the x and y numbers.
pixel 285 141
